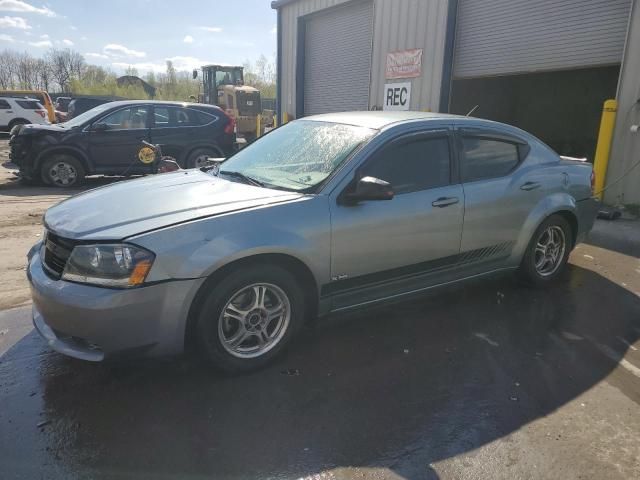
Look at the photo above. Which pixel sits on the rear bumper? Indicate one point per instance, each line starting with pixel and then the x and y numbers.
pixel 92 323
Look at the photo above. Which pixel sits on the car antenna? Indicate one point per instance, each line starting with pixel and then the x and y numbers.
pixel 472 110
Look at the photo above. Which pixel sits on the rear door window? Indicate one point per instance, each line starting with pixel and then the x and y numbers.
pixel 487 158
pixel 4 105
pixel 186 117
pixel 29 104
pixel 162 117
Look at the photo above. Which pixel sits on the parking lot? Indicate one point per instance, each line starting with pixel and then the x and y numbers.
pixel 487 380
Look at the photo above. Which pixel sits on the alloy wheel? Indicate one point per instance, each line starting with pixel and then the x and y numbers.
pixel 549 250
pixel 254 320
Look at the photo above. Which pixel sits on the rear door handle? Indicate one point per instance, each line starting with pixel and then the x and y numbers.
pixel 530 186
pixel 444 201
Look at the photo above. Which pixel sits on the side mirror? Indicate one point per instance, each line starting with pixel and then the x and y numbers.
pixel 99 127
pixel 370 188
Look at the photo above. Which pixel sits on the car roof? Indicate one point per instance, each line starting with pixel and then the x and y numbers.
pixel 21 99
pixel 160 102
pixel 379 119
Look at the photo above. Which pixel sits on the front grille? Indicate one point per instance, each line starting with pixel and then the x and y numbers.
pixel 56 253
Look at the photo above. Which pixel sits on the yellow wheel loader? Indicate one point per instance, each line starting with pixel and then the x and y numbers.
pixel 224 86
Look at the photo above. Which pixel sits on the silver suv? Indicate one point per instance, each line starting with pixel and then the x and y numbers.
pixel 325 214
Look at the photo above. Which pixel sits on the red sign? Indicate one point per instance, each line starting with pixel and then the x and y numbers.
pixel 404 64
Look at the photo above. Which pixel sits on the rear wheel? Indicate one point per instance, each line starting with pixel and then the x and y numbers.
pixel 198 158
pixel 18 121
pixel 250 317
pixel 547 252
pixel 62 171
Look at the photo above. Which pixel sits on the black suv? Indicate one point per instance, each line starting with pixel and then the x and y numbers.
pixel 107 140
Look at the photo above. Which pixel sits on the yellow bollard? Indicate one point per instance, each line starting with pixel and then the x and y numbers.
pixel 258 125
pixel 603 148
pixel 285 117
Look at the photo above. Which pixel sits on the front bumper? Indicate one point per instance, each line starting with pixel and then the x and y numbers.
pixel 20 154
pixel 93 323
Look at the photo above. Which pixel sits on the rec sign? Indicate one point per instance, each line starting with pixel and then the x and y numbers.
pixel 397 96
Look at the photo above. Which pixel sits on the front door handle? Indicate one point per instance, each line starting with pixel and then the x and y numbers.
pixel 444 201
pixel 530 186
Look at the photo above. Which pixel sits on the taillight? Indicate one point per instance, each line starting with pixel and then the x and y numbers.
pixel 593 182
pixel 42 113
pixel 230 127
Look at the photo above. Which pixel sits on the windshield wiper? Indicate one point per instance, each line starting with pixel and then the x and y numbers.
pixel 243 177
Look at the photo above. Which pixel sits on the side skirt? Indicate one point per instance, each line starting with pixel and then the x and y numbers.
pixel 398 297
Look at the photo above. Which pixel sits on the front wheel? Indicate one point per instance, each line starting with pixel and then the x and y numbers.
pixel 250 317
pixel 62 171
pixel 547 252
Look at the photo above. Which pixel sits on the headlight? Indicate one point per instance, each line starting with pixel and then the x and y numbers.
pixel 120 266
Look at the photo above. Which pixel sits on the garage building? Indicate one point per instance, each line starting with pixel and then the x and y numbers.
pixel 544 65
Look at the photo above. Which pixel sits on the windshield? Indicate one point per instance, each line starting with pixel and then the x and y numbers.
pixel 298 155
pixel 84 117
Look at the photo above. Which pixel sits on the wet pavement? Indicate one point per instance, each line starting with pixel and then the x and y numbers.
pixel 489 380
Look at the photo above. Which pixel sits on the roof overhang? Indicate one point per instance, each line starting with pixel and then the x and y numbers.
pixel 276 4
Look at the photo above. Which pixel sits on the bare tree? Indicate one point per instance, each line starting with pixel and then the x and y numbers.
pixel 8 64
pixel 66 65
pixel 25 70
pixel 131 71
pixel 43 75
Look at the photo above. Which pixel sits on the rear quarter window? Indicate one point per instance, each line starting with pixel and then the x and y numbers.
pixel 4 105
pixel 487 158
pixel 203 118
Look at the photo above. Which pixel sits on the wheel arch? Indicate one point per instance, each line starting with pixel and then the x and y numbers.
pixel 558 204
pixel 290 263
pixel 208 146
pixel 64 150
pixel 17 121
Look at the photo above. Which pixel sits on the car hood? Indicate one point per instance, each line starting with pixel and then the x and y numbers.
pixel 35 129
pixel 131 207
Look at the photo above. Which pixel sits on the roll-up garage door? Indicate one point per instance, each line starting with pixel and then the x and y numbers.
pixel 337 61
pixel 501 37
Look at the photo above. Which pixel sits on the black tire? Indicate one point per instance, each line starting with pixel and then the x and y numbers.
pixel 18 121
pixel 209 318
pixel 56 178
pixel 528 273
pixel 198 153
pixel 31 181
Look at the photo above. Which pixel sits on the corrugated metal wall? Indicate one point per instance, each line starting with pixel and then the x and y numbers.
pixel 406 24
pixel 497 37
pixel 625 150
pixel 398 25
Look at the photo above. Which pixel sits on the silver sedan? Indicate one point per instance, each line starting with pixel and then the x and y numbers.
pixel 324 214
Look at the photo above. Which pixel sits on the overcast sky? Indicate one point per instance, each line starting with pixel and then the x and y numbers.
pixel 142 33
